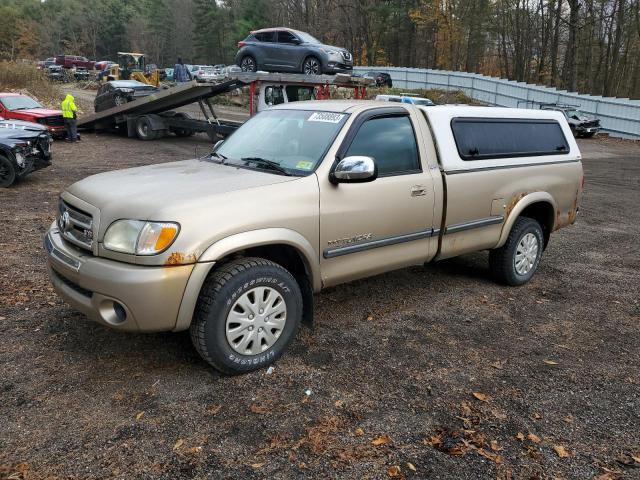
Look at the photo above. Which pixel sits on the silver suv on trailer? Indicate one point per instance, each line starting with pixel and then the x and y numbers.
pixel 287 50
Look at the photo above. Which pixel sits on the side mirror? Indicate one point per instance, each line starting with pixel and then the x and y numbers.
pixel 354 169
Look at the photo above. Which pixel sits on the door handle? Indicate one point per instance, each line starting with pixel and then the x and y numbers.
pixel 418 190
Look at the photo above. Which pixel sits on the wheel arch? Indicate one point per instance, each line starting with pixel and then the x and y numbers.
pixel 537 205
pixel 285 247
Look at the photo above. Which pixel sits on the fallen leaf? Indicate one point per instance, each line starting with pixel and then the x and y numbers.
pixel 561 451
pixel 411 467
pixel 358 432
pixel 568 419
pixel 338 403
pixel 636 457
pixel 550 362
pixel 628 460
pixel 520 436
pixel 178 444
pixel 214 409
pixel 394 471
pixel 494 446
pixel 498 414
pixel 481 396
pixel 537 416
pixel 491 456
pixel 139 416
pixel 194 450
pixel 534 438
pixel 257 465
pixel 369 318
pixel 608 476
pixel 498 364
pixel 257 409
pixel 381 440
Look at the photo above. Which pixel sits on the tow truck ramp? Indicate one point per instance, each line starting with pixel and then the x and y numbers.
pixel 150 117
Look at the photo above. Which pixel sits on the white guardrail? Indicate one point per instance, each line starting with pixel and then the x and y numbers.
pixel 619 117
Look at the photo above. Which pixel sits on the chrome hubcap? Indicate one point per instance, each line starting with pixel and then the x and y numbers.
pixel 256 321
pixel 526 254
pixel 311 67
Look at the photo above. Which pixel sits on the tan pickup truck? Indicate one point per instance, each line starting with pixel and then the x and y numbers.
pixel 305 196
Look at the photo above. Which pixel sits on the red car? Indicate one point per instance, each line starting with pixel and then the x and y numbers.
pixel 21 107
pixel 71 61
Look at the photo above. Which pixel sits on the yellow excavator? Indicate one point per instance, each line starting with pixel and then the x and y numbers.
pixel 133 66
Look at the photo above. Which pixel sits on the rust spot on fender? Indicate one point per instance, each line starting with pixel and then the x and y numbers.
pixel 179 258
pixel 563 220
pixel 513 202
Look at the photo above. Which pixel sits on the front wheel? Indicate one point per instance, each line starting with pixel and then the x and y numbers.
pixel 517 260
pixel 311 66
pixel 248 312
pixel 7 172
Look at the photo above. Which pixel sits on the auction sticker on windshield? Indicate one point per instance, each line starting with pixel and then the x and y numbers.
pixel 328 117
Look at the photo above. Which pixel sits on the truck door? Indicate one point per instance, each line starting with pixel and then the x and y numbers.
pixel 369 228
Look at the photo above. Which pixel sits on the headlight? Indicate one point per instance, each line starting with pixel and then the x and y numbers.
pixel 139 237
pixel 20 159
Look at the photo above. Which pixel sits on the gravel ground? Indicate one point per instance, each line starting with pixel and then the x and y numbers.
pixel 428 372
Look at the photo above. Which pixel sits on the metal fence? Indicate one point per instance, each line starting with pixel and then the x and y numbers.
pixel 620 117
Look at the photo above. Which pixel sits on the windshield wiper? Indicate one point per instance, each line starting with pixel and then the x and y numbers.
pixel 268 163
pixel 218 155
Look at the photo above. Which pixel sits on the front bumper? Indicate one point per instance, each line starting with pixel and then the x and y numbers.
pixel 115 294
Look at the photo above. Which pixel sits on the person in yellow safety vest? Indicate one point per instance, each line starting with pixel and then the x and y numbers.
pixel 69 114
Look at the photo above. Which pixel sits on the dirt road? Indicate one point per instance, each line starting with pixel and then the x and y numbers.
pixel 427 372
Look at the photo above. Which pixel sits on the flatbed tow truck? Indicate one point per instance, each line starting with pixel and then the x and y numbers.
pixel 153 116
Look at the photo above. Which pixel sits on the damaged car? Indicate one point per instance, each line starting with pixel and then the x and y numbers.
pixel 24 148
pixel 118 92
pixel 582 124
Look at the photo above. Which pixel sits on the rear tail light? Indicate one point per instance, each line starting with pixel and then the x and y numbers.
pixel 241 44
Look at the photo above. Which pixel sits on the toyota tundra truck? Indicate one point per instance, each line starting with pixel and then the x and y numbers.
pixel 304 196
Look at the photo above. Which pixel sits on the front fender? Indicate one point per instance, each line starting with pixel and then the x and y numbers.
pixel 515 207
pixel 236 243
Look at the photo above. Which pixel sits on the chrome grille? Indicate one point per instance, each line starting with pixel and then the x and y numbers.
pixel 53 121
pixel 75 225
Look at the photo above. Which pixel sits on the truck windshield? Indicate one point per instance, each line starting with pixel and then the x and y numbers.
pixel 19 103
pixel 296 140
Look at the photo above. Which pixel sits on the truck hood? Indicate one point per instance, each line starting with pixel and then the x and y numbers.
pixel 143 192
pixel 40 112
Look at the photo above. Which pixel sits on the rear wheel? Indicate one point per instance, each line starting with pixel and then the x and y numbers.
pixel 311 66
pixel 144 130
pixel 7 172
pixel 248 64
pixel 248 312
pixel 183 132
pixel 517 260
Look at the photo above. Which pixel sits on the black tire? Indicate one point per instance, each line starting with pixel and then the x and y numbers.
pixel 183 132
pixel 312 66
pixel 248 64
pixel 7 172
pixel 219 294
pixel 144 130
pixel 389 83
pixel 588 134
pixel 502 261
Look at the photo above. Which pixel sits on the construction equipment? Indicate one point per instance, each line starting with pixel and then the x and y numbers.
pixel 133 66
